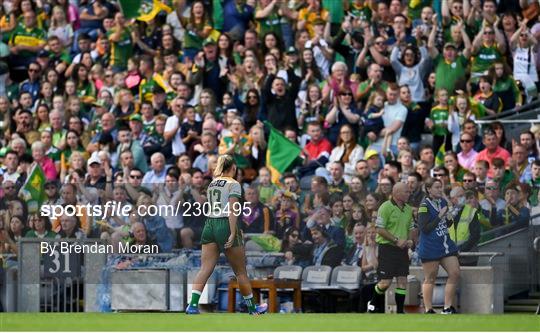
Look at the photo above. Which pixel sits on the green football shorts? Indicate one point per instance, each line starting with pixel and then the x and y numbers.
pixel 217 230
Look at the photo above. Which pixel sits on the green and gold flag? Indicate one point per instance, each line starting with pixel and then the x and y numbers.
pixel 142 10
pixel 439 158
pixel 33 190
pixel 280 154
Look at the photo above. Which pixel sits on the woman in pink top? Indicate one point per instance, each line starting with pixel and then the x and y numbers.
pixel 47 164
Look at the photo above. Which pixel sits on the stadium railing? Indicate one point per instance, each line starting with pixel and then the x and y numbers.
pixel 514 121
pixel 518 269
pixel 517 112
pixel 57 282
pixel 8 282
pixel 520 265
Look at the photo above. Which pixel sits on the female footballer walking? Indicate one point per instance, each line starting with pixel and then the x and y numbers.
pixel 221 233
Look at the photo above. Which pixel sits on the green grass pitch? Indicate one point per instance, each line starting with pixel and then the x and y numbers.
pixel 268 322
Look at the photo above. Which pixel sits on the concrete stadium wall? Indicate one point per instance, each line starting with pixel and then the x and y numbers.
pixel 480 289
pixel 516 265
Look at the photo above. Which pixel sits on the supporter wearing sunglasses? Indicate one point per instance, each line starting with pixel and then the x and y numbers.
pixel 469 181
pixel 343 112
pixel 492 150
pixel 467 156
pixel 489 42
pixel 492 205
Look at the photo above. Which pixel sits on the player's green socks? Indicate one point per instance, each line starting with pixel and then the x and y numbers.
pixel 400 299
pixel 195 296
pixel 250 303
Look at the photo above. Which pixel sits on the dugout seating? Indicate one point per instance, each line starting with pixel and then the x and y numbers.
pixel 344 285
pixel 289 272
pixel 314 277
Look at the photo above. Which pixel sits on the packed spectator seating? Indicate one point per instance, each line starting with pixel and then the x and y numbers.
pixel 375 92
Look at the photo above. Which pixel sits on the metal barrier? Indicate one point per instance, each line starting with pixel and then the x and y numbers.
pixel 61 295
pixel 67 283
pixel 515 120
pixel 8 283
pixel 491 255
pixel 516 266
pixel 57 282
pixel 518 111
pixel 64 282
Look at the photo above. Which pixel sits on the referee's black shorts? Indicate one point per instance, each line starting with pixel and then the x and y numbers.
pixel 393 262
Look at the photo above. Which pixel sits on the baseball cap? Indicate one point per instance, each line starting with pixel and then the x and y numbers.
pixel 135 117
pixel 319 21
pixel 26 111
pixel 449 44
pixel 292 50
pixel 158 90
pixel 370 153
pixel 93 159
pixel 43 54
pixel 99 103
pixel 209 41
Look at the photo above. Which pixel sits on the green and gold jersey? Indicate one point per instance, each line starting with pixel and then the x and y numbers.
pixel 363 13
pixel 395 220
pixel 121 50
pixel 192 38
pixel 447 73
pixel 54 154
pixel 439 116
pixel 485 57
pixel 146 87
pixel 149 128
pixel 271 23
pixel 22 36
pixel 220 190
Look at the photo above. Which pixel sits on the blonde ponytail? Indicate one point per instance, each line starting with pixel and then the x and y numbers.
pixel 224 163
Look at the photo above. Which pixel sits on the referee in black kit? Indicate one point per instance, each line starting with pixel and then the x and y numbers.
pixel 394 236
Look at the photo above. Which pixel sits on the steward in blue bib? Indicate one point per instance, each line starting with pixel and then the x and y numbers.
pixel 435 242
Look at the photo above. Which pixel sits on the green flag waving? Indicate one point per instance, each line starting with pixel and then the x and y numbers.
pixel 280 154
pixel 217 14
pixel 439 158
pixel 33 190
pixel 142 10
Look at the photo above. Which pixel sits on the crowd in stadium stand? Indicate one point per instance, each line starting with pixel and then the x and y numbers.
pixel 376 92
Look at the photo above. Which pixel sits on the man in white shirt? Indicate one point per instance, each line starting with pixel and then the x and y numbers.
pixel 173 127
pixel 321 49
pixel 11 162
pixel 394 117
pixel 157 172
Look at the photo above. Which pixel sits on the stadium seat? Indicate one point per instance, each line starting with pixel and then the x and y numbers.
pixel 314 277
pixel 289 272
pixel 346 278
pixel 345 282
